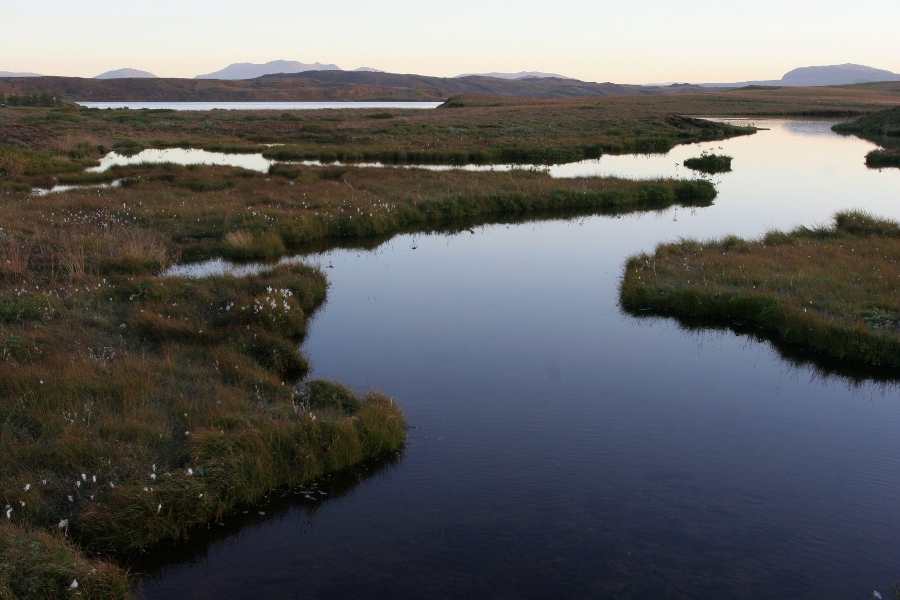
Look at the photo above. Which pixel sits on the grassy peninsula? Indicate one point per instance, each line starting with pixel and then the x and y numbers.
pixel 831 289
pixel 883 128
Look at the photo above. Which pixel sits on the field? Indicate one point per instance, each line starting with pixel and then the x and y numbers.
pixel 135 407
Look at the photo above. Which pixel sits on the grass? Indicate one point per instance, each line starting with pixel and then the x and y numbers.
pixel 830 289
pixel 709 163
pixel 878 159
pixel 40 564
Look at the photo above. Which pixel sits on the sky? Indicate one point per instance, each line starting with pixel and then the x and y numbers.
pixel 633 41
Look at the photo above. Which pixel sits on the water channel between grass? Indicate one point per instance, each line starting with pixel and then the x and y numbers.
pixel 563 448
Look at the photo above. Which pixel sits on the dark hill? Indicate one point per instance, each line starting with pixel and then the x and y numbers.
pixel 546 87
pixel 321 86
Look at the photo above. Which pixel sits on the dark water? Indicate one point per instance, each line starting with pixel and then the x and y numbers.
pixel 562 448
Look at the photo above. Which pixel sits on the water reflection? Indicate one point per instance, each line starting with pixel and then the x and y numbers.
pixel 56 189
pixel 798 359
pixel 295 509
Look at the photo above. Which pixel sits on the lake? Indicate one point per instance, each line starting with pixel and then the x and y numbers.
pixel 257 105
pixel 561 447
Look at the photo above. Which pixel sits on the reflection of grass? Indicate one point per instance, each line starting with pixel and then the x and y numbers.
pixel 709 163
pixel 833 290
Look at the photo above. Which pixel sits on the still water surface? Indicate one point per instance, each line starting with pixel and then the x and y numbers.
pixel 562 448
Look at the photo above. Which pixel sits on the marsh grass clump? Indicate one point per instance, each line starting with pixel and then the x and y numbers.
pixel 832 289
pixel 879 159
pixel 246 245
pixel 709 162
pixel 36 565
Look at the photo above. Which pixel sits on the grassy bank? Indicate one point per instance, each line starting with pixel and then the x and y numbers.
pixel 883 128
pixel 831 289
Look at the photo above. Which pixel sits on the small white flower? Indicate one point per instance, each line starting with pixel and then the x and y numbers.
pixel 71 499
pixel 190 472
pixel 27 486
pixel 94 479
pixel 152 475
pixel 875 594
pixel 63 523
pixel 83 477
pixel 8 511
pixel 74 584
pixel 158 508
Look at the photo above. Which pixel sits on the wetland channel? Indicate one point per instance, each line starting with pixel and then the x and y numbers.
pixel 563 448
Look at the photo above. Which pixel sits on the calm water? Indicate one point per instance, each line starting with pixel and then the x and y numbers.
pixel 561 448
pixel 256 105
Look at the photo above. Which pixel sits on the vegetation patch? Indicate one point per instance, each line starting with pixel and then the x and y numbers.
pixel 832 289
pixel 878 159
pixel 709 163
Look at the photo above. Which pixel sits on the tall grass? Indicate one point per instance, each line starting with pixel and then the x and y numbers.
pixel 36 565
pixel 833 290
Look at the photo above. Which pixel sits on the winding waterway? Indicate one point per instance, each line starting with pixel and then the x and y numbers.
pixel 563 448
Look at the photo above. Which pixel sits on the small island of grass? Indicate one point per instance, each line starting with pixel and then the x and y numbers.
pixel 709 163
pixel 832 289
pixel 878 159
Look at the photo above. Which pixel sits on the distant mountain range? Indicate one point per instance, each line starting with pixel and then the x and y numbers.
pixel 519 75
pixel 825 75
pixel 126 74
pixel 327 82
pixel 11 74
pixel 253 70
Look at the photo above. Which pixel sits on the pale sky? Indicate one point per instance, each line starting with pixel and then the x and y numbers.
pixel 624 42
